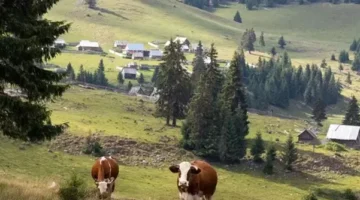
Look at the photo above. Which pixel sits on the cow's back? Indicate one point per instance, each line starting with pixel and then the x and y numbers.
pixel 109 165
pixel 207 177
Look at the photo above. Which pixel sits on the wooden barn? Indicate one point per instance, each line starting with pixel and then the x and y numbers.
pixel 307 136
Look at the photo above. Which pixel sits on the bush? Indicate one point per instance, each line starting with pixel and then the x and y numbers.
pixel 73 189
pixel 310 196
pixel 349 195
pixel 333 146
pixel 93 147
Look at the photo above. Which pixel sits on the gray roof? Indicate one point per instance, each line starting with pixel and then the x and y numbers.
pixel 135 47
pixel 128 70
pixel 343 132
pixel 310 132
pixel 155 52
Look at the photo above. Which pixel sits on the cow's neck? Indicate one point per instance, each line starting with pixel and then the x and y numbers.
pixel 101 173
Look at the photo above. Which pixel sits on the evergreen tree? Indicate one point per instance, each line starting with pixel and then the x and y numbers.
pixel 273 52
pixel 173 84
pixel 352 116
pixel 301 2
pixel 356 63
pixel 262 40
pixel 282 42
pixel 344 57
pixel 199 65
pixel 323 64
pixel 252 35
pixel 286 62
pixel 91 3
pixel 141 79
pixel 155 75
pixel 129 86
pixel 247 41
pixel 310 196
pixel 228 141
pixel 81 77
pixel 99 75
pixel 319 111
pixel 333 58
pixel 237 17
pixel 250 4
pixel 120 78
pixel 348 78
pixel 257 148
pixel 341 68
pixel 290 154
pixel 25 40
pixel 70 72
pixel 354 45
pixel 270 158
pixel 269 3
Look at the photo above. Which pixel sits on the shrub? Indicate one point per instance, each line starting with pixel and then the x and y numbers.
pixel 73 189
pixel 349 195
pixel 310 196
pixel 93 147
pixel 333 146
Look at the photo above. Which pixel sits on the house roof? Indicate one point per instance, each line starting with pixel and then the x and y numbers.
pixel 135 47
pixel 120 42
pixel 128 70
pixel 343 132
pixel 156 52
pixel 138 54
pixel 87 43
pixel 60 41
pixel 310 132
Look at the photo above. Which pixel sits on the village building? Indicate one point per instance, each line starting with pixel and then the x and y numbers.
pixel 137 56
pixel 133 48
pixel 155 54
pixel 121 44
pixel 307 136
pixel 129 73
pixel 344 134
pixel 185 43
pixel 133 65
pixel 60 43
pixel 86 45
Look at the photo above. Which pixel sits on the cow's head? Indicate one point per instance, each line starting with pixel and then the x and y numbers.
pixel 105 187
pixel 186 172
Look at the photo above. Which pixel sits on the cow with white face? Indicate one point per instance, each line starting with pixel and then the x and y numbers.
pixel 196 180
pixel 104 172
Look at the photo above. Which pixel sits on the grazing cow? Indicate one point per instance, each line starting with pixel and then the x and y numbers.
pixel 104 172
pixel 196 181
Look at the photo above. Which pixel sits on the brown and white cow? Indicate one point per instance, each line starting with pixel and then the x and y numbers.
pixel 105 171
pixel 197 180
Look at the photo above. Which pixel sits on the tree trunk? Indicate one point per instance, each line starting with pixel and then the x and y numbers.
pixel 168 120
pixel 174 121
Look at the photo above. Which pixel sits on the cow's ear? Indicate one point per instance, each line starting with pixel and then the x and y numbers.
pixel 174 168
pixel 195 170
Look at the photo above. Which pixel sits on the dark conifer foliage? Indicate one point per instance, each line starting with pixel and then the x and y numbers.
pixel 344 57
pixel 257 148
pixel 290 154
pixel 237 17
pixel 262 39
pixel 70 72
pixel 25 44
pixel 120 78
pixel 319 113
pixel 282 42
pixel 352 116
pixel 155 75
pixel 199 65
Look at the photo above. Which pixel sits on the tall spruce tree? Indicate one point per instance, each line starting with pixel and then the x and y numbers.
pixel 250 4
pixel 141 79
pixel 81 75
pixel 238 19
pixel 352 116
pixel 257 148
pixel 282 42
pixel 333 58
pixel 155 75
pixel 348 78
pixel 99 75
pixel 323 64
pixel 203 120
pixel 199 65
pixel 269 160
pixel 273 51
pixel 173 84
pixel 354 45
pixel 120 78
pixel 262 39
pixel 318 112
pixel 290 154
pixel 129 86
pixel 70 72
pixel 344 57
pixel 247 41
pixel 25 40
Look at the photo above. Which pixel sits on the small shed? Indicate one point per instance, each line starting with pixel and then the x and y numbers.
pixel 156 54
pixel 138 56
pixel 129 73
pixel 307 136
pixel 133 48
pixel 60 43
pixel 344 134
pixel 86 45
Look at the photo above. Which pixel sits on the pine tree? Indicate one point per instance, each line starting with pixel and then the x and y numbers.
pixel 341 67
pixel 155 75
pixel 70 72
pixel 282 42
pixel 352 116
pixel 348 78
pixel 333 58
pixel 237 17
pixel 226 152
pixel 319 111
pixel 270 158
pixel 250 4
pixel 252 35
pixel 129 86
pixel 273 52
pixel 262 40
pixel 247 41
pixel 173 84
pixel 290 154
pixel 356 63
pixel 120 78
pixel 141 79
pixel 81 76
pixel 25 40
pixel 323 64
pixel 286 62
pixel 344 57
pixel 269 3
pixel 257 148
pixel 354 45
pixel 99 75
pixel 199 65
